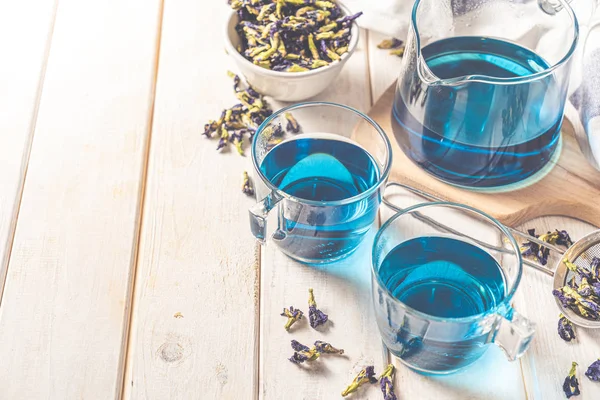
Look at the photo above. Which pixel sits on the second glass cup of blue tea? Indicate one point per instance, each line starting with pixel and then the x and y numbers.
pixel 444 275
pixel 324 187
pixel 482 89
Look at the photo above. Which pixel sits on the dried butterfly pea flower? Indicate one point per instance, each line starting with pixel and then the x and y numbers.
pixel 386 383
pixel 297 346
pixel 571 384
pixel 292 124
pixel 397 52
pixel 366 375
pixel 326 348
pixel 579 271
pixel 563 238
pixel 246 185
pixel 541 253
pixel 565 329
pixel 595 268
pixel 241 119
pixel 299 25
pixel 305 355
pixel 565 300
pixel 593 371
pixel 293 315
pixel 392 43
pixel 316 317
pixel 586 307
pixel 584 288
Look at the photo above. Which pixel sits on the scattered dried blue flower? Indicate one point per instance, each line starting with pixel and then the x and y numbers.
pixel 563 238
pixel 396 46
pixel 571 384
pixel 386 382
pixel 240 120
pixel 246 185
pixel 392 43
pixel 565 329
pixel 273 32
pixel 292 124
pixel 297 346
pixel 593 371
pixel 293 315
pixel 302 356
pixel 327 348
pixel 316 317
pixel 534 250
pixel 366 375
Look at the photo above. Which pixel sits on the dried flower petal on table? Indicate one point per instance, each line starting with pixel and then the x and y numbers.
pixel 304 355
pixel 241 119
pixel 293 315
pixel 534 250
pixel 246 185
pixel 366 375
pixel 565 329
pixel 593 371
pixel 273 32
pixel 397 52
pixel 563 238
pixel 316 317
pixel 324 347
pixel 571 384
pixel 292 124
pixel 392 43
pixel 297 346
pixel 386 383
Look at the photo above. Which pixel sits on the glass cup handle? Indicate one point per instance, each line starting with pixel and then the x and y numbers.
pixel 514 334
pixel 258 216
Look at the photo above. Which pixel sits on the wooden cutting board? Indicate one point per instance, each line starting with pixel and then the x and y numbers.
pixel 572 187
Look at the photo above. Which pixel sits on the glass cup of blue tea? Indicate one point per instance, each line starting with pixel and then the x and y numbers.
pixel 444 275
pixel 482 88
pixel 324 187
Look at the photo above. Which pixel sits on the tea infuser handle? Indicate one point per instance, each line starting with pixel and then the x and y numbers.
pixel 514 334
pixel 258 216
pixel 513 231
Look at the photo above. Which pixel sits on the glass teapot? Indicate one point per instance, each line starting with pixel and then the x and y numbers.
pixel 482 89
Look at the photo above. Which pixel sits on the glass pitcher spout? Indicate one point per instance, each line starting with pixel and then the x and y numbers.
pixel 482 89
pixel 476 19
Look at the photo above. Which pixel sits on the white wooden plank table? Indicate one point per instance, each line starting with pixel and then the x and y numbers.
pixel 127 269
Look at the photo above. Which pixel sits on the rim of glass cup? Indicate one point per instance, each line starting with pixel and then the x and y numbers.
pixel 491 219
pixel 382 178
pixel 483 78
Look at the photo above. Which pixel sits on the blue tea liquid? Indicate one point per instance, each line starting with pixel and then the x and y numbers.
pixel 322 168
pixel 479 134
pixel 447 278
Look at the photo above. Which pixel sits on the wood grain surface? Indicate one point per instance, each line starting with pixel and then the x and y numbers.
pixel 65 303
pixel 22 69
pixel 197 256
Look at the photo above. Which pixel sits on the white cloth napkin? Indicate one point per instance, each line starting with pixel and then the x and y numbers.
pixel 392 17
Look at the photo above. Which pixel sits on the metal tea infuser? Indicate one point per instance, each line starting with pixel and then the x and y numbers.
pixel 579 253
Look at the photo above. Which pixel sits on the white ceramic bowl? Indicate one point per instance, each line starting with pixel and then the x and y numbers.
pixel 286 86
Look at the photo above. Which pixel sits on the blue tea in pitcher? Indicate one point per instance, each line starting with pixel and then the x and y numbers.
pixel 326 169
pixel 488 132
pixel 446 278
